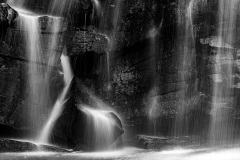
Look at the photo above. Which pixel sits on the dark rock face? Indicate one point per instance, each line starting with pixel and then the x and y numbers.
pixel 7 16
pixel 9 132
pixel 80 42
pixel 12 93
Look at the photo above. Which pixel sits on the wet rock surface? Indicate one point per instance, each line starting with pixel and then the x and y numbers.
pixel 8 145
pixel 161 143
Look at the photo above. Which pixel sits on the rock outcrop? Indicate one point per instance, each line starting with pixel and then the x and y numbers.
pixel 7 17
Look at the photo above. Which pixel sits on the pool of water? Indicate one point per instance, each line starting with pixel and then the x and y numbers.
pixel 132 154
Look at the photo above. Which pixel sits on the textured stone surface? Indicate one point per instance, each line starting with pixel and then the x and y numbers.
pixel 7 13
pixel 48 22
pixel 80 42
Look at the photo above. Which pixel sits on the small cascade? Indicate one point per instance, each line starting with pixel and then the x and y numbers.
pixel 99 127
pixel 221 126
pixel 97 6
pixel 59 104
pixel 185 63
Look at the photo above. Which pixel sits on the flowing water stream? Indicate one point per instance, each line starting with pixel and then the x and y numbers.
pixel 59 104
pixel 39 76
pixel 36 86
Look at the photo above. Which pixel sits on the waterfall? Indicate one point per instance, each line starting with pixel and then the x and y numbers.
pixel 102 130
pixel 185 62
pixel 221 126
pixel 56 7
pixel 68 76
pixel 59 104
pixel 39 76
pixel 37 97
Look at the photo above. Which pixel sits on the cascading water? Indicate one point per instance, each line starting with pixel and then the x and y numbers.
pixel 59 105
pixel 56 8
pixel 221 127
pixel 36 96
pixel 102 129
pixel 97 6
pixel 39 76
pixel 185 65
